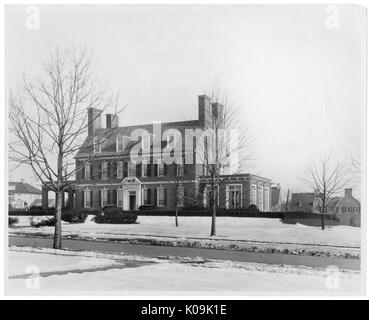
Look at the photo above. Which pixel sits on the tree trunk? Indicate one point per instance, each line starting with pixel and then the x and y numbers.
pixel 57 231
pixel 214 213
pixel 323 209
pixel 323 224
pixel 176 216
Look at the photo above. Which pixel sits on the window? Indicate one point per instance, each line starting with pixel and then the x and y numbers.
pixel 120 197
pixel 253 194
pixel 160 168
pixel 266 199
pixel 145 142
pixel 87 171
pixel 120 169
pixel 146 193
pixel 180 197
pixel 234 196
pixel 131 169
pixel 104 170
pixel 161 197
pixel 180 170
pixel 104 197
pixel 87 198
pixel 260 198
pixel 144 169
pixel 96 145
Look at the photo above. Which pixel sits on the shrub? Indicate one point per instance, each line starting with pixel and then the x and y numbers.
pixel 253 209
pixel 48 222
pixel 74 216
pixel 146 207
pixel 12 221
pixel 115 215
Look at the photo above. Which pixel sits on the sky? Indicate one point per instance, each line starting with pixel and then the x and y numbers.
pixel 295 72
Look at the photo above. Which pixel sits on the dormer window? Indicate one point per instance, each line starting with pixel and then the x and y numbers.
pixel 145 142
pixel 121 142
pixel 96 145
pixel 160 172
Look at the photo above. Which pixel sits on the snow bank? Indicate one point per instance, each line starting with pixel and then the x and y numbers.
pixel 173 277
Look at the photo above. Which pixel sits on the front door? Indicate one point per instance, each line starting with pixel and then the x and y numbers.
pixel 132 200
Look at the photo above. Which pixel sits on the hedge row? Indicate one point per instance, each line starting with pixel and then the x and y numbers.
pixel 237 213
pixel 49 212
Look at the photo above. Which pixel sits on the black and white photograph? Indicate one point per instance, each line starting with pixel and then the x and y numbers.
pixel 185 150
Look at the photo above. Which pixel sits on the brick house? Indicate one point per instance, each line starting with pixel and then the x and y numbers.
pixel 108 176
pixel 310 202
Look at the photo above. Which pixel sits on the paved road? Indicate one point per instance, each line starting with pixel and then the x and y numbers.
pixel 157 251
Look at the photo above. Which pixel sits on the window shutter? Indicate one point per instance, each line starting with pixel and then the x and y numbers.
pixel 83 198
pixel 125 169
pixel 165 196
pixel 155 196
pixel 114 170
pixel 99 197
pixel 109 197
pixel 155 168
pixel 108 170
pixel 83 172
pixel 91 199
pixel 100 170
pixel 114 196
pixel 148 195
pixel 91 171
pixel 148 169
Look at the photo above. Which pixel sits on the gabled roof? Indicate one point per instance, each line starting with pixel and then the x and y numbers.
pixel 21 187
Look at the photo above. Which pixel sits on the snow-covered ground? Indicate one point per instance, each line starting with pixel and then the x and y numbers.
pixel 63 272
pixel 252 229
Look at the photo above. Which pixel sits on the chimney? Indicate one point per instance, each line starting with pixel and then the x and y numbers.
pixel 111 121
pixel 94 120
pixel 348 192
pixel 217 110
pixel 204 110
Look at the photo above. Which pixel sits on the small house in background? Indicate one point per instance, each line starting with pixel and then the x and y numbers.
pixel 347 208
pixel 21 195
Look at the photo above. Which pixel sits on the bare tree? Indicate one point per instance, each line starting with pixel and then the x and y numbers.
pixel 327 179
pixel 225 149
pixel 48 120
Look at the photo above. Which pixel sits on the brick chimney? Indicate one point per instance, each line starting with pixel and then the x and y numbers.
pixel 348 192
pixel 217 110
pixel 94 120
pixel 205 110
pixel 111 121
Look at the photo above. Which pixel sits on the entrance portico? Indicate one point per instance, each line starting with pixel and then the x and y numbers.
pixel 131 188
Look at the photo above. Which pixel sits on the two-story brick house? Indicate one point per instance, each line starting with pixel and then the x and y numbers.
pixel 107 174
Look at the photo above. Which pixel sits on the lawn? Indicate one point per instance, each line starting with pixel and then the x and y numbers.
pixel 251 229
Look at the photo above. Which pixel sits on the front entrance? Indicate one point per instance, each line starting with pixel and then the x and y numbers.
pixel 131 193
pixel 132 200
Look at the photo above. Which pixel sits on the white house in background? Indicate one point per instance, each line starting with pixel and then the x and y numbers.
pixel 21 195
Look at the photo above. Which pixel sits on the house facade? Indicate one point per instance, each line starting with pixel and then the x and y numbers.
pixel 21 195
pixel 311 202
pixel 107 174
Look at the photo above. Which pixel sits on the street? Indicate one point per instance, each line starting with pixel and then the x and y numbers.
pixel 162 251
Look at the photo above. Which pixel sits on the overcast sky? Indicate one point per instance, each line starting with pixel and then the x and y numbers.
pixel 297 76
